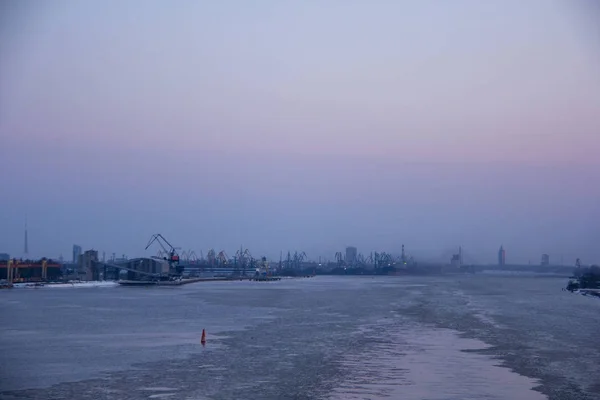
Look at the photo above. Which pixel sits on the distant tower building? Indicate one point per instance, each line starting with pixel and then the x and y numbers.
pixel 456 260
pixel 76 253
pixel 501 256
pixel 351 253
pixel 87 263
pixel 545 260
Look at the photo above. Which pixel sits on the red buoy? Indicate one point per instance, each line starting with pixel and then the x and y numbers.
pixel 203 338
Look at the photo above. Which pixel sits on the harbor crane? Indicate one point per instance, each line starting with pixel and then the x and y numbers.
pixel 243 260
pixel 211 257
pixel 192 257
pixel 222 258
pixel 168 249
pixel 299 259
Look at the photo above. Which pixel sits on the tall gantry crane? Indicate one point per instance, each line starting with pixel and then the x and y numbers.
pixel 211 257
pixel 243 260
pixel 222 258
pixel 299 259
pixel 171 253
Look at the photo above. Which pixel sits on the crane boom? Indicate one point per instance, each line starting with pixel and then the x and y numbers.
pixel 160 239
pixel 173 257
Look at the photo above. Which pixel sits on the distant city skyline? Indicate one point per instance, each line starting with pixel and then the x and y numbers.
pixel 300 126
pixel 349 253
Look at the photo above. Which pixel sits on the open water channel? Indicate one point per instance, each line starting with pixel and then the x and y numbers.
pixel 454 337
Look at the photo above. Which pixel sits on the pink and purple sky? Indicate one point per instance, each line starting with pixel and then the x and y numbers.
pixel 306 125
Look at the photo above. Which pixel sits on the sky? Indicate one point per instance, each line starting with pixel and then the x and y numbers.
pixel 305 126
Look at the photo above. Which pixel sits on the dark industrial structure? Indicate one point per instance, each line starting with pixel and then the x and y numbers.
pixel 545 260
pixel 14 270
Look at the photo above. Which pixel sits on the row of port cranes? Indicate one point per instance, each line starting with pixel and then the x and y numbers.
pixel 373 260
pixel 244 262
pixel 292 260
pixel 242 258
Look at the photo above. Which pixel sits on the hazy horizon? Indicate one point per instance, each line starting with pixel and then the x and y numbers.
pixel 299 126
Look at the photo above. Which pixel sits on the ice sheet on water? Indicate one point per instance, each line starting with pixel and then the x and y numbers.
pixel 417 362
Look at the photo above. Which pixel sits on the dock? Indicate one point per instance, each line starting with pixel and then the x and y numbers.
pixel 266 278
pixel 179 282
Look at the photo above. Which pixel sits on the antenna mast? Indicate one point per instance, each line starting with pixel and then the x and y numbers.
pixel 26 249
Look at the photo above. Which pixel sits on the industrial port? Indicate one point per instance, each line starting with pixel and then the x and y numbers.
pixel 172 266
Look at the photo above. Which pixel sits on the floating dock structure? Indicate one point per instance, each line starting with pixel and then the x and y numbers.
pixel 175 282
pixel 265 278
pixel 179 282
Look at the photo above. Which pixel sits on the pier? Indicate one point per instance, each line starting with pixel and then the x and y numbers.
pixel 265 278
pixel 179 282
pixel 176 282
